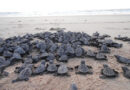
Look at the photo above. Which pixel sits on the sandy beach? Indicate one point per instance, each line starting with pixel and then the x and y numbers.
pixel 112 25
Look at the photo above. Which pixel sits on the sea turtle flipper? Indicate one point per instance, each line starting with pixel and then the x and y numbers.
pixel 76 67
pixel 26 79
pixel 103 77
pixel 70 68
pixel 90 67
pixel 16 80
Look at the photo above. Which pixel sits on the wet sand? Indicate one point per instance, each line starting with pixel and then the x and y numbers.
pixel 109 24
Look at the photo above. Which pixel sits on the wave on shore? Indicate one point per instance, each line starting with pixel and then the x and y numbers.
pixel 66 13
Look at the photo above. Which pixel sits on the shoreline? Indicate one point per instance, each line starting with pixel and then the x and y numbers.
pixel 63 16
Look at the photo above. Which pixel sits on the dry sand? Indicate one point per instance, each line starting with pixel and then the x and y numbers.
pixel 109 24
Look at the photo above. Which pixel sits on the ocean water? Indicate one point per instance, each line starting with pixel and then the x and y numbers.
pixel 66 13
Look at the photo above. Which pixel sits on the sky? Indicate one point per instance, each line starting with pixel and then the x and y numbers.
pixel 60 5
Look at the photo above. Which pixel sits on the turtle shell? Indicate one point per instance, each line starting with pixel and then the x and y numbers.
pixel 83 68
pixel 17 56
pixel 19 50
pixel 63 58
pixel 40 69
pixel 79 51
pixel 101 56
pixel 25 73
pixel 51 56
pixel 52 68
pixel 90 53
pixel 2 59
pixel 108 72
pixel 44 55
pixel 62 69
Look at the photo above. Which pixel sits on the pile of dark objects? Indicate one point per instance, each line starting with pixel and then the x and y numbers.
pixel 55 49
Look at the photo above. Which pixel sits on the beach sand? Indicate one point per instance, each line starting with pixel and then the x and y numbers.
pixel 105 24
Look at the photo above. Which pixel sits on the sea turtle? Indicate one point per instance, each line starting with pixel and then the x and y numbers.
pixel 90 54
pixel 16 56
pixel 100 56
pixel 25 47
pixel 24 74
pixel 126 72
pixel 53 47
pixel 79 51
pixel 7 54
pixel 116 45
pixel 96 34
pixel 23 66
pixel 4 74
pixel 104 36
pixel 51 67
pixel 40 69
pixel 19 50
pixel 60 51
pixel 41 45
pixel 36 58
pixel 125 38
pixel 1 50
pixel 28 59
pixel 104 49
pixel 84 41
pixel 107 72
pixel 3 63
pixel 50 56
pixel 44 55
pixel 121 59
pixel 1 41
pixel 108 42
pixel 83 68
pixel 69 50
pixel 73 86
pixel 62 70
pixel 63 58
pixel 119 37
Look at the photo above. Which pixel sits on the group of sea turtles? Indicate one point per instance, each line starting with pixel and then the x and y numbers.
pixel 55 49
